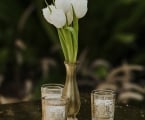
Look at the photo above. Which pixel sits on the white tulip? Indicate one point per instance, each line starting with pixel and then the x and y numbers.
pixel 63 4
pixel 54 16
pixel 80 7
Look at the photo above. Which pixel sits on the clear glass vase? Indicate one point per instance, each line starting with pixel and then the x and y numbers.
pixel 71 90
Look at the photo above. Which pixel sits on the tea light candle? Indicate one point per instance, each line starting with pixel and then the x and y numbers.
pixel 50 91
pixel 102 104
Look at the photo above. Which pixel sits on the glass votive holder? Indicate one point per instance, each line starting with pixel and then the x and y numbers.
pixel 102 104
pixel 55 108
pixel 52 90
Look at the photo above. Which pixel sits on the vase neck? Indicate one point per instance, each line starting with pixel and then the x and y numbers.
pixel 71 69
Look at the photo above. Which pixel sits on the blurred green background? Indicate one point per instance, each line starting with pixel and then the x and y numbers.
pixel 112 30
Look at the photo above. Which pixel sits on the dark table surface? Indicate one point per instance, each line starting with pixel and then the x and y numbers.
pixel 32 111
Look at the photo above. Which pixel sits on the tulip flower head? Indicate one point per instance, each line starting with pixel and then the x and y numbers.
pixel 64 15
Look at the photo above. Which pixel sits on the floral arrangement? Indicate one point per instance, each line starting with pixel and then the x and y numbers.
pixel 64 15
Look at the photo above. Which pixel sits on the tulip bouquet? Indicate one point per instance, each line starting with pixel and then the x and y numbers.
pixel 64 15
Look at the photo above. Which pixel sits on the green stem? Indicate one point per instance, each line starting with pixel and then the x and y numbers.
pixel 76 30
pixel 63 45
pixel 68 44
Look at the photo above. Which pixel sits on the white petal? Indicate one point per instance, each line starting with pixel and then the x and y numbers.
pixel 80 7
pixel 69 16
pixel 63 4
pixel 54 16
pixel 46 14
pixel 58 18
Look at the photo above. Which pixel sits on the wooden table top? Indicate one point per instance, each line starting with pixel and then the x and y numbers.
pixel 32 111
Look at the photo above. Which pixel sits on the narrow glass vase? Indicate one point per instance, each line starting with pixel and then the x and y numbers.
pixel 71 90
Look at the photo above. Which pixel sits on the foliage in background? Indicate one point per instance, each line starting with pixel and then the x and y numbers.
pixel 112 30
pixel 109 25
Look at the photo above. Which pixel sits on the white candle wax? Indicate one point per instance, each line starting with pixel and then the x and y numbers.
pixel 51 95
pixel 104 108
pixel 55 112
